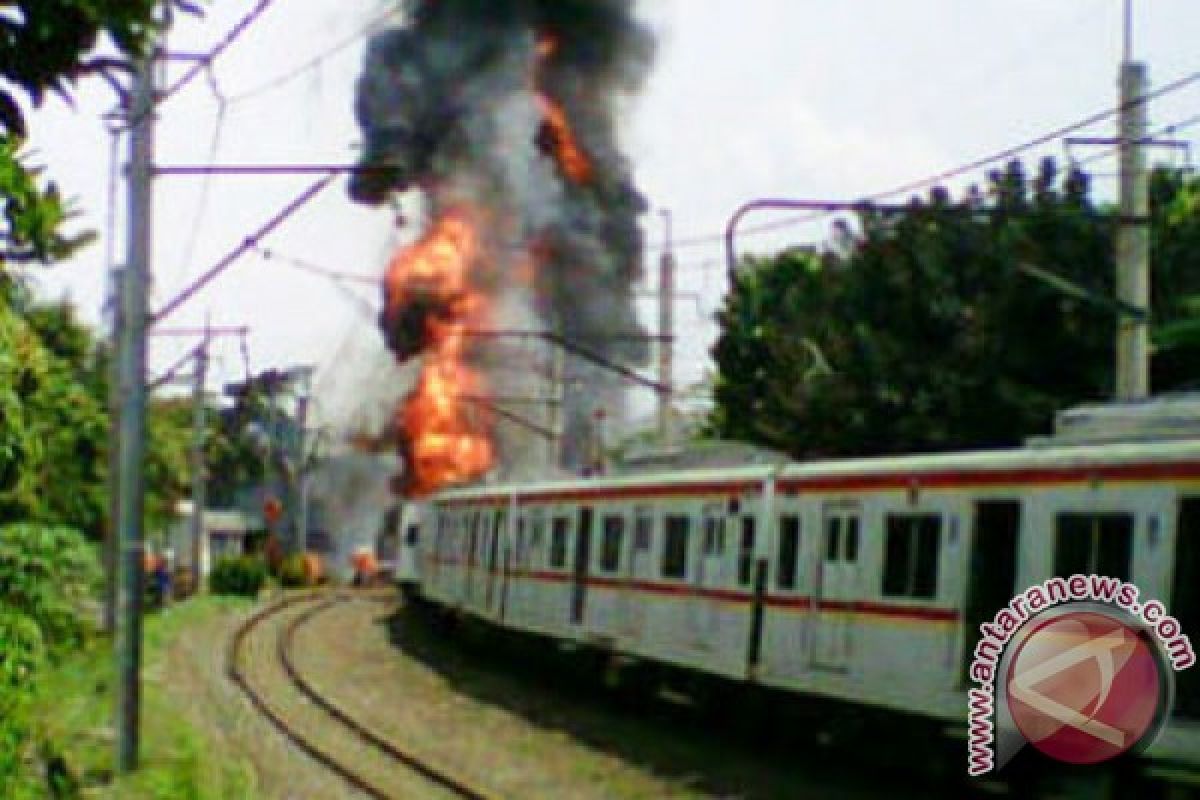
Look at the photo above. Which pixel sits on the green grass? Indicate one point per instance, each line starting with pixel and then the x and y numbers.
pixel 73 724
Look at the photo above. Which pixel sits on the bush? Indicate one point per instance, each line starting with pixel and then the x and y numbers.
pixel 240 575
pixel 293 572
pixel 21 654
pixel 49 574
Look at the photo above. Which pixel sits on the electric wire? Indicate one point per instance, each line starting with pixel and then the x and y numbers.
pixel 284 78
pixel 205 62
pixel 953 172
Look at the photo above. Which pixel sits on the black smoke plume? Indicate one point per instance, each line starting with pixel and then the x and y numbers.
pixel 449 104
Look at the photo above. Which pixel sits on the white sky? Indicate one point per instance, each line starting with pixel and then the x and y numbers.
pixel 748 98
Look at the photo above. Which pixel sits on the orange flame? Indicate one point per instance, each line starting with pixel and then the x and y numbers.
pixel 556 134
pixel 561 141
pixel 445 439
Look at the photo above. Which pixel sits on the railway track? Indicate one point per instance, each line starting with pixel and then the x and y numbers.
pixel 369 763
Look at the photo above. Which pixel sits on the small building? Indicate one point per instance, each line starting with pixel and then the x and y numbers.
pixel 223 534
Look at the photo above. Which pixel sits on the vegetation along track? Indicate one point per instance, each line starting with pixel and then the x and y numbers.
pixel 346 747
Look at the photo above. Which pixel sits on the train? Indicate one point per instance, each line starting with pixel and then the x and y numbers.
pixel 862 581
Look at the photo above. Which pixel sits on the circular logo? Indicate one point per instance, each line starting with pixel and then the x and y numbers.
pixel 1085 686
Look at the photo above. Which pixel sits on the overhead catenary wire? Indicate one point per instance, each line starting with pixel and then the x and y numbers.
pixel 1166 130
pixel 287 76
pixel 205 61
pixel 247 244
pixel 954 172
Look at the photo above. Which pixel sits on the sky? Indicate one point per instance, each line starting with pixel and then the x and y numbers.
pixel 747 98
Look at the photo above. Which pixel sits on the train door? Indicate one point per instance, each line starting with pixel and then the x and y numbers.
pixel 992 570
pixel 1185 599
pixel 838 586
pixel 583 550
pixel 639 569
pixel 710 573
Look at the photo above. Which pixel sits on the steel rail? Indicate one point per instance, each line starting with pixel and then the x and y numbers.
pixel 284 645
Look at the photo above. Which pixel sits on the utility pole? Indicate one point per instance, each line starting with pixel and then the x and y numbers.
pixel 301 456
pixel 666 326
pixel 1133 235
pixel 112 529
pixel 556 393
pixel 132 428
pixel 199 469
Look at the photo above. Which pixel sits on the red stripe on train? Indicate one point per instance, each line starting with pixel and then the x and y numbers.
pixel 943 479
pixel 923 613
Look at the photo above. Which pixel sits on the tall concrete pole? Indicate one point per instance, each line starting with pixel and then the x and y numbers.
pixel 1133 235
pixel 302 408
pixel 557 396
pixel 132 429
pixel 199 469
pixel 666 329
pixel 112 529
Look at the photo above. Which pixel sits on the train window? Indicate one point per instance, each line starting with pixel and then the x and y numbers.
pixel 850 543
pixel 610 547
pixel 1093 543
pixel 558 542
pixel 410 536
pixel 714 536
pixel 519 550
pixel 473 538
pixel 833 537
pixel 643 530
pixel 789 551
pixel 537 529
pixel 674 562
pixel 910 566
pixel 746 552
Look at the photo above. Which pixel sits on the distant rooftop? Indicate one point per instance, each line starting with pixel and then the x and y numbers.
pixel 699 455
pixel 1164 417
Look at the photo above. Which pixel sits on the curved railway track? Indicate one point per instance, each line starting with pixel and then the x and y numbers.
pixel 337 723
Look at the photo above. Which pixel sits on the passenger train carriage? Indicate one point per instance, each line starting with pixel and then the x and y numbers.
pixel 862 580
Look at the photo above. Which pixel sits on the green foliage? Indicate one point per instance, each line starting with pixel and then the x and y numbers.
pixel 46 578
pixel 49 574
pixel 72 711
pixel 52 435
pixel 293 573
pixel 22 650
pixel 168 470
pixel 48 46
pixel 920 332
pixel 242 575
pixel 21 656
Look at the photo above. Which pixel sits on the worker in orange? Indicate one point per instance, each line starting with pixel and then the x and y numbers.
pixel 365 567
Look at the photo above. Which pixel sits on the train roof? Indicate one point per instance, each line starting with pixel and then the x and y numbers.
pixel 1041 457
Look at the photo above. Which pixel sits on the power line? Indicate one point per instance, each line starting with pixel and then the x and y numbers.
pixel 1166 130
pixel 962 169
pixel 205 61
pixel 247 244
pixel 284 78
pixel 316 269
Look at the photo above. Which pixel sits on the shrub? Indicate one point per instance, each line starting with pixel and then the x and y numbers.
pixel 293 572
pixel 21 654
pixel 241 575
pixel 49 574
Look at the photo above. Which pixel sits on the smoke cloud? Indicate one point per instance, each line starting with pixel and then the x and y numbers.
pixel 510 107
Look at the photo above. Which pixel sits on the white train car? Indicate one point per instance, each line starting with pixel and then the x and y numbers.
pixel 862 580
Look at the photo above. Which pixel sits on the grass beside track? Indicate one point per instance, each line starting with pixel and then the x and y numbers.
pixel 74 724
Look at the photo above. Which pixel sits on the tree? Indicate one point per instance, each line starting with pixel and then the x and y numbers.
pixel 47 46
pixel 924 331
pixel 52 434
